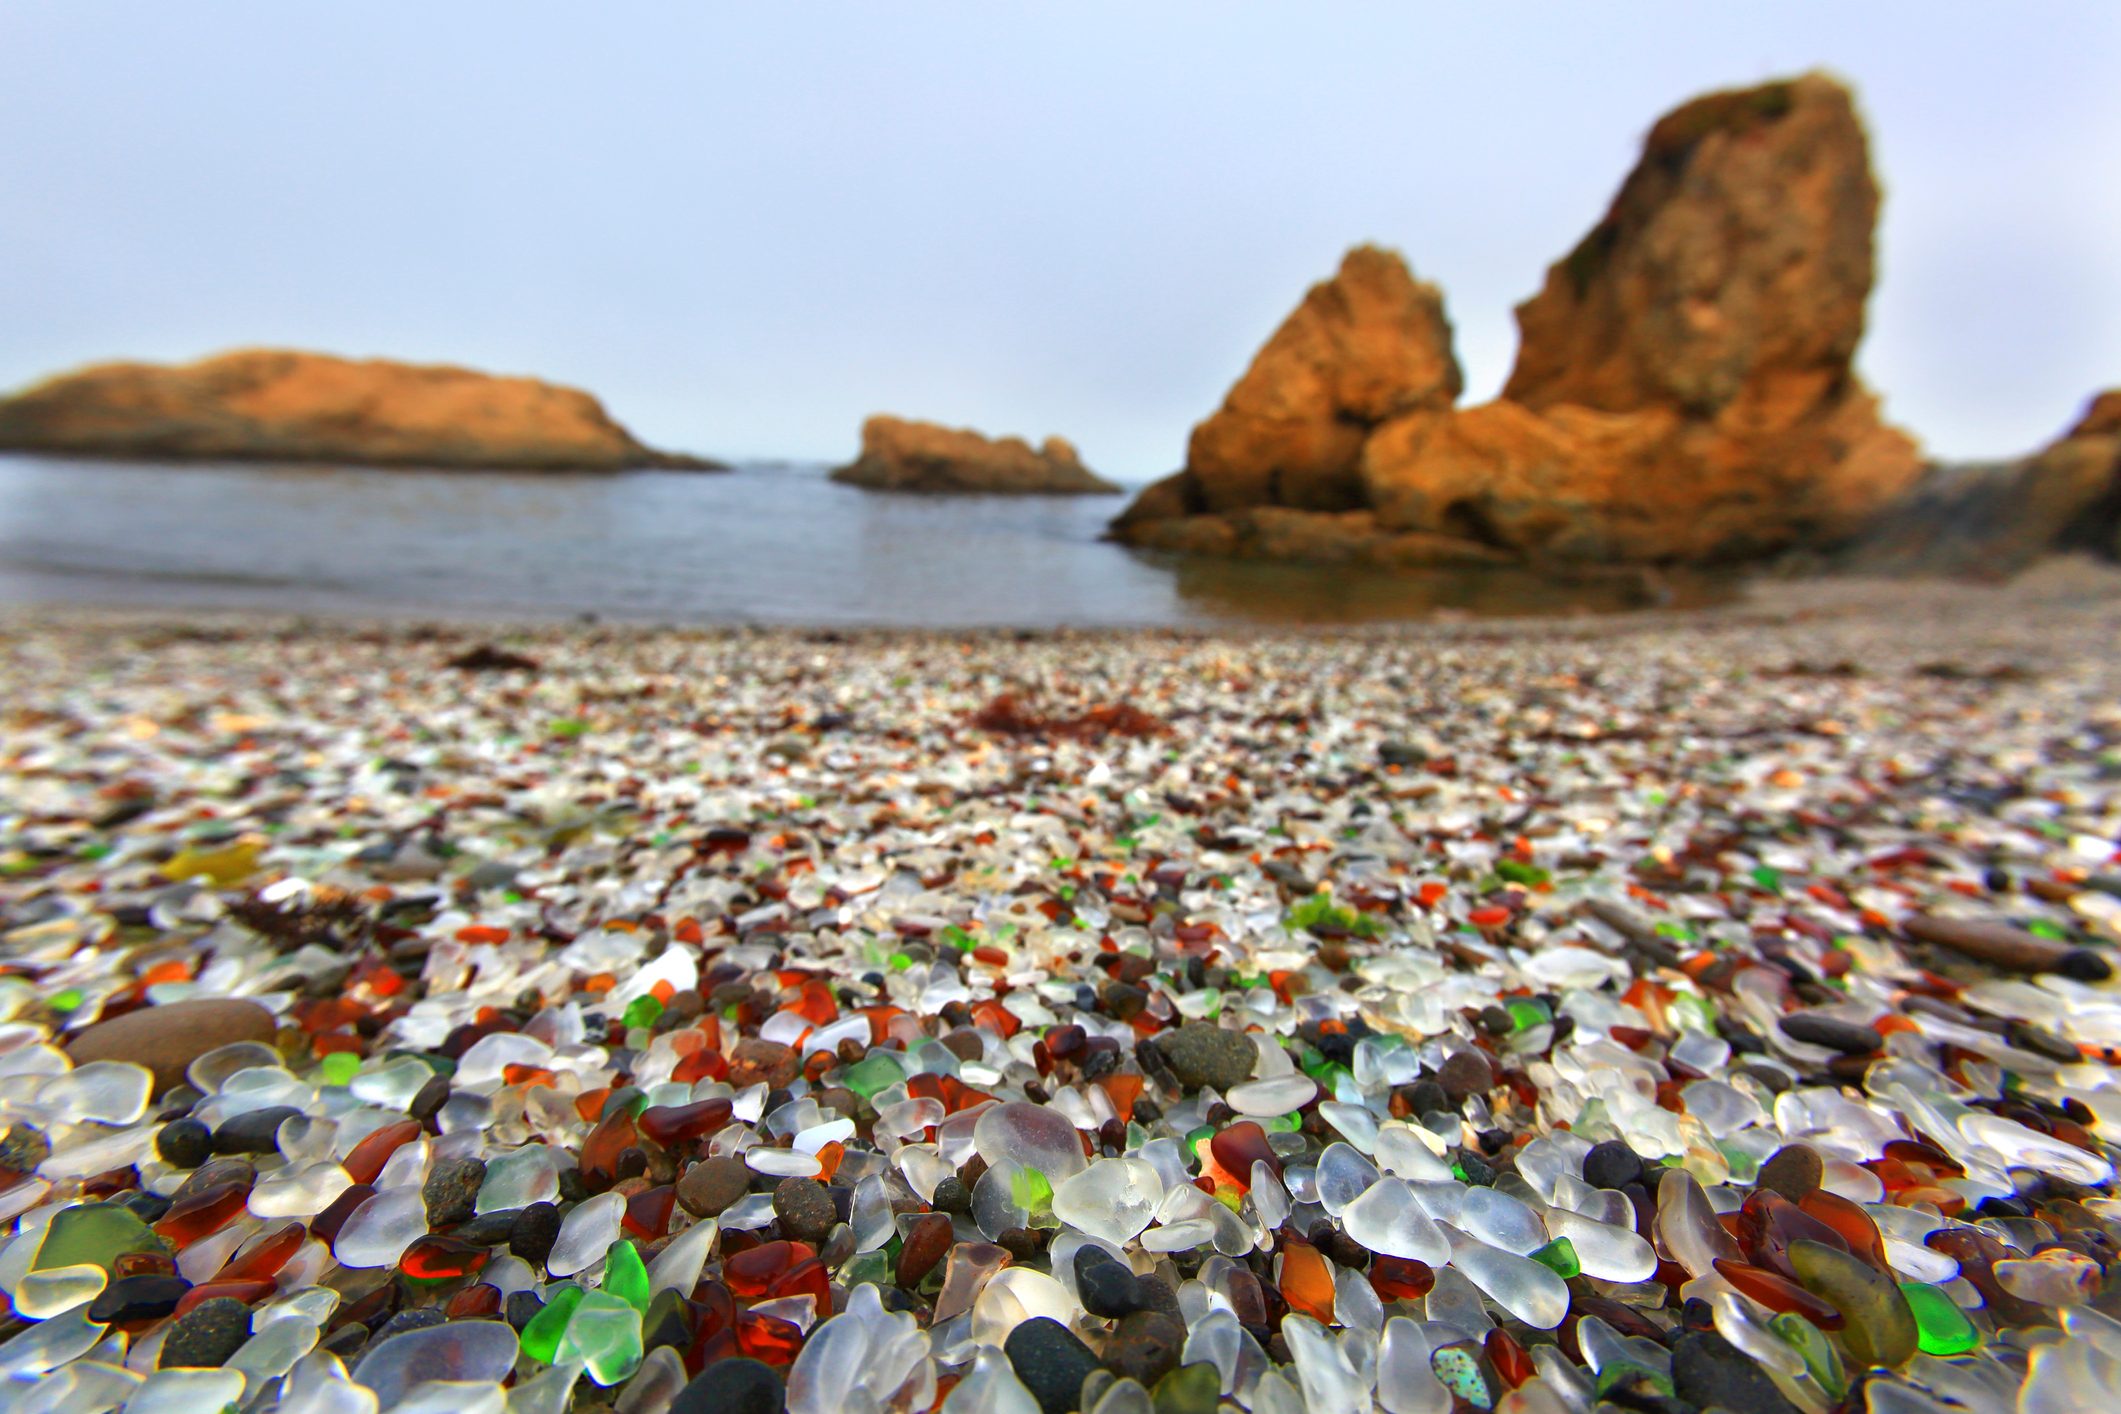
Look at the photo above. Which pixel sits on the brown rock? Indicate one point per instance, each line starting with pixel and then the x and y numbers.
pixel 711 1185
pixel 757 1060
pixel 1991 519
pixel 1369 344
pixel 1684 392
pixel 170 1037
pixel 278 405
pixel 901 455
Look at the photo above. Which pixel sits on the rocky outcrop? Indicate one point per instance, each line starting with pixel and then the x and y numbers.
pixel 1992 519
pixel 1367 345
pixel 277 405
pixel 901 455
pixel 1684 390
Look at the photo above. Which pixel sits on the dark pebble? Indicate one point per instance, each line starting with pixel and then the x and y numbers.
pixel 952 1196
pixel 739 1385
pixel 430 1099
pixel 1611 1164
pixel 2084 965
pixel 805 1209
pixel 711 1185
pixel 1201 1054
pixel 147 1297
pixel 416 1319
pixel 1108 1286
pixel 184 1143
pixel 1836 1034
pixel 254 1131
pixel 207 1334
pixel 520 1307
pixel 485 1229
pixel 1709 1372
pixel 1146 1346
pixel 536 1228
pixel 1793 1171
pixel 1465 1075
pixel 452 1190
pixel 1052 1363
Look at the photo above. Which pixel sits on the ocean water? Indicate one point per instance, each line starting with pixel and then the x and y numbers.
pixel 769 545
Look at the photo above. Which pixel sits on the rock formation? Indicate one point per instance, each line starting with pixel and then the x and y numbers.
pixel 276 405
pixel 1992 519
pixel 901 455
pixel 1684 391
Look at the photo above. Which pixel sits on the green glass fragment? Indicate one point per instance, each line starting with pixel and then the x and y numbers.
pixel 605 1335
pixel 1821 1360
pixel 1460 1374
pixel 1625 1374
pixel 1880 1327
pixel 1941 1328
pixel 872 1074
pixel 626 1275
pixel 1528 1013
pixel 541 1337
pixel 67 1000
pixel 93 1235
pixel 876 1268
pixel 339 1068
pixel 641 1011
pixel 1516 871
pixel 1559 1257
pixel 1198 1137
pixel 1768 878
pixel 901 961
pixel 1189 1389
pixel 1031 1189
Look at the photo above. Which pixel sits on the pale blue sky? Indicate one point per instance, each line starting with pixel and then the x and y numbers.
pixel 746 227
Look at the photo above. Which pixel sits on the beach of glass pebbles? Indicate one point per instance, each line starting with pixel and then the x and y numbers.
pixel 1658 1014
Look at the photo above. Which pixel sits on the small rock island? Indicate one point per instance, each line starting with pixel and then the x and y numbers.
pixel 287 406
pixel 899 454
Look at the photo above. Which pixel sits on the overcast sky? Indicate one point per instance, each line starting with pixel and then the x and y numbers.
pixel 748 226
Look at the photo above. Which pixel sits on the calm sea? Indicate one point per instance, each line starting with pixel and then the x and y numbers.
pixel 759 545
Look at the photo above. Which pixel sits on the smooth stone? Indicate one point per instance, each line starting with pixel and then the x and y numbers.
pixel 805 1209
pixel 708 1188
pixel 1107 1286
pixel 2001 945
pixel 207 1334
pixel 1612 1164
pixel 459 1350
pixel 451 1191
pixel 1816 1028
pixel 1709 1372
pixel 253 1131
pixel 1464 1075
pixel 533 1232
pixel 739 1385
pixel 1204 1055
pixel 147 1296
pixel 184 1143
pixel 1793 1171
pixel 168 1038
pixel 1051 1362
pixel 1146 1347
